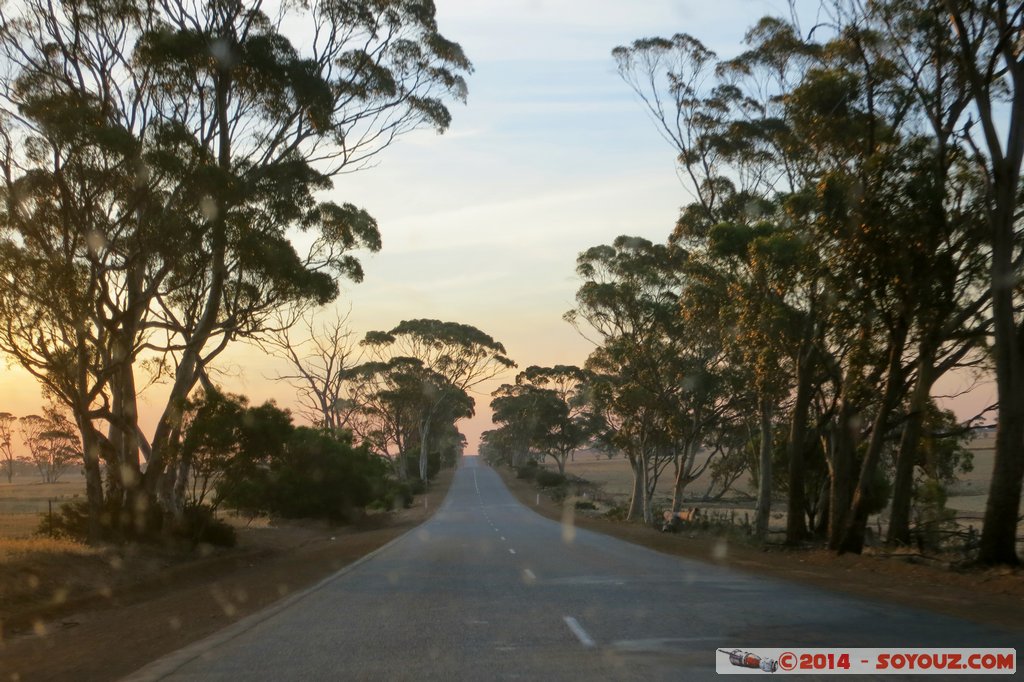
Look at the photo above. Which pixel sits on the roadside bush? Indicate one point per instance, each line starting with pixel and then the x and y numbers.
pixel 550 479
pixel 585 504
pixel 617 513
pixel 316 475
pixel 200 526
pixel 528 471
pixel 71 521
pixel 398 494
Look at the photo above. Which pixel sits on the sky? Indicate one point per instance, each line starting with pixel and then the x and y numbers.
pixel 551 154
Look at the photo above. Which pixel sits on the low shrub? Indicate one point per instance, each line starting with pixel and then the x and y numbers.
pixel 527 473
pixel 617 513
pixel 549 479
pixel 586 505
pixel 397 494
pixel 199 525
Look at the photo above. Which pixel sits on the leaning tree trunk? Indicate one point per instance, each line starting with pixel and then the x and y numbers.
pixel 906 459
pixel 857 517
pixel 683 470
pixel 425 451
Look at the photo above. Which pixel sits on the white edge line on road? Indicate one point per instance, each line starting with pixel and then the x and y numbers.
pixel 580 633
pixel 511 551
pixel 502 538
pixel 172 662
pixel 529 574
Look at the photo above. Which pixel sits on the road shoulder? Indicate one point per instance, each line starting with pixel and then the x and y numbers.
pixel 132 628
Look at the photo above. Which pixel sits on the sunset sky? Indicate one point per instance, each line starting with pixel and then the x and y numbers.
pixel 552 154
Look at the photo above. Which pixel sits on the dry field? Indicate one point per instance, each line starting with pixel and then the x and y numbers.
pixel 22 501
pixel 614 481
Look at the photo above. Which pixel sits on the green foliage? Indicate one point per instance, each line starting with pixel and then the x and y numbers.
pixel 550 479
pixel 316 475
pixel 878 493
pixel 199 526
pixel 528 471
pixel 411 462
pixel 933 522
pixel 585 505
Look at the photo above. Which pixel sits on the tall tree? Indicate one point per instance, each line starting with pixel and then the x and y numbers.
pixel 991 56
pixel 157 158
pixel 630 297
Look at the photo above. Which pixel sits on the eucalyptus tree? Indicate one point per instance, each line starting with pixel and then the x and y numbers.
pixel 386 397
pixel 630 297
pixel 454 358
pixel 524 416
pixel 849 137
pixel 51 442
pixel 157 159
pixel 990 57
pixel 568 422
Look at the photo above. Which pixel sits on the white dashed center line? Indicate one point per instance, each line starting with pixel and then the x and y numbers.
pixel 511 551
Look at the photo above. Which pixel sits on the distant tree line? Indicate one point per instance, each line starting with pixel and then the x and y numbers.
pixel 50 441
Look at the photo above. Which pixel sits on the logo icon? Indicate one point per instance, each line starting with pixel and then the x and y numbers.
pixel 745 659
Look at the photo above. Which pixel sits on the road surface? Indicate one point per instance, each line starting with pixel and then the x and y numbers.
pixel 489 590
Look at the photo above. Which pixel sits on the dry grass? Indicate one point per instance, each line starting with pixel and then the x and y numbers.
pixel 615 479
pixel 17 548
pixel 22 502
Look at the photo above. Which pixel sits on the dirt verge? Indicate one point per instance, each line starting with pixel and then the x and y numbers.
pixel 991 597
pixel 107 635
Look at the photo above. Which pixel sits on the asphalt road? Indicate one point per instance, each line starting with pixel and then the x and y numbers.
pixel 489 590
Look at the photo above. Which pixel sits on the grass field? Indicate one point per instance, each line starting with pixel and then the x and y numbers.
pixel 614 480
pixel 22 501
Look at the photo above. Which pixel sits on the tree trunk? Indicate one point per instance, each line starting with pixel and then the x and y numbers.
pixel 841 472
pixel 764 488
pixel 636 498
pixel 424 451
pixel 186 371
pixel 796 527
pixel 683 470
pixel 1002 511
pixel 93 480
pixel 648 512
pixel 857 517
pixel 903 483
